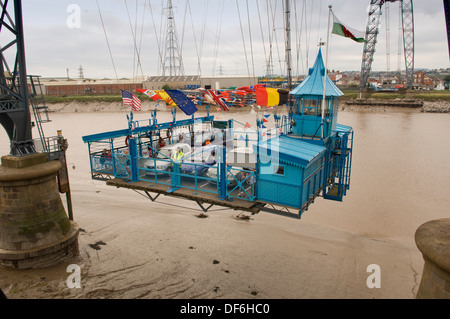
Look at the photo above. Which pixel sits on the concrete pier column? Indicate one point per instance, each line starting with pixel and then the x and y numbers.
pixel 35 231
pixel 433 240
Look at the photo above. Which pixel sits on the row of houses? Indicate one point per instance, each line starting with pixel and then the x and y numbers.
pixel 421 80
pixel 63 86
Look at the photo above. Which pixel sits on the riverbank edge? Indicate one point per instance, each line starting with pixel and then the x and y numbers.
pixel 93 107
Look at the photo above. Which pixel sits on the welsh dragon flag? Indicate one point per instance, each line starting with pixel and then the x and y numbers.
pixel 345 31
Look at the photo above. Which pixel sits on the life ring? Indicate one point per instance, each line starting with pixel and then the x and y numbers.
pixel 126 140
pixel 169 134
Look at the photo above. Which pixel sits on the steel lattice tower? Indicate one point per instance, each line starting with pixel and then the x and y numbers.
pixel 173 62
pixel 15 114
pixel 447 22
pixel 371 39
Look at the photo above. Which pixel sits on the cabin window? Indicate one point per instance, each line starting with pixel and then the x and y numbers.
pixel 278 170
pixel 312 107
pixel 330 103
pixel 309 107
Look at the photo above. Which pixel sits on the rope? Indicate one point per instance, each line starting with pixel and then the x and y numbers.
pixel 107 42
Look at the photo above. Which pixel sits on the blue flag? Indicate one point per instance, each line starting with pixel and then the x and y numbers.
pixel 182 101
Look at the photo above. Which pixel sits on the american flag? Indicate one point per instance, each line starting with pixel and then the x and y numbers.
pixel 131 100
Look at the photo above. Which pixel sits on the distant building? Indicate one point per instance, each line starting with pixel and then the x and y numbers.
pixel 423 80
pixel 64 86
pixel 193 82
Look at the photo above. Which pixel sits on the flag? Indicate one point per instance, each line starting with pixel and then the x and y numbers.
pixel 345 31
pixel 244 89
pixel 182 101
pixel 131 100
pixel 165 97
pixel 267 96
pixel 284 96
pixel 243 93
pixel 212 95
pixel 151 94
pixel 265 120
pixel 247 125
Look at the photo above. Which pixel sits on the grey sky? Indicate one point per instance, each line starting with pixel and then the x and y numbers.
pixel 52 46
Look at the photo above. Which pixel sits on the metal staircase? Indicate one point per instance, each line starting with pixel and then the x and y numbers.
pixel 338 167
pixel 40 110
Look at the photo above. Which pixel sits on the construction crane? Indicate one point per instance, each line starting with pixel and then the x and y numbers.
pixel 447 21
pixel 371 39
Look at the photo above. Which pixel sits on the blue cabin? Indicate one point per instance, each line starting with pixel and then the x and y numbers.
pixel 315 154
pixel 312 117
pixel 290 171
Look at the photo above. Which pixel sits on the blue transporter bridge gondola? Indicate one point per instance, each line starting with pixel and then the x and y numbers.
pixel 306 155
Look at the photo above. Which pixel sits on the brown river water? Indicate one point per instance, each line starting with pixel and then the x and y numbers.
pixel 400 180
pixel 400 173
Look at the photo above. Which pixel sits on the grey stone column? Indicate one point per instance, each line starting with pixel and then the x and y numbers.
pixel 433 240
pixel 35 231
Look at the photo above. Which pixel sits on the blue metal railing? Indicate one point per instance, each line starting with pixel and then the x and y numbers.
pixel 128 162
pixel 242 183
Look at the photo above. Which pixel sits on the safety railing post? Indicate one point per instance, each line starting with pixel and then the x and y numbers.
pixel 133 159
pixel 223 173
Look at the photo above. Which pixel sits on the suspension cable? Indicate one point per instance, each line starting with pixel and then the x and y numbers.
pixel 205 15
pixel 183 28
pixel 188 4
pixel 158 42
pixel 262 33
pixel 273 11
pixel 107 42
pixel 318 27
pixel 243 39
pixel 219 28
pixel 134 38
pixel 250 36
pixel 142 29
pixel 270 30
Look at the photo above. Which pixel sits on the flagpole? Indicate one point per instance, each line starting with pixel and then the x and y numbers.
pixel 326 70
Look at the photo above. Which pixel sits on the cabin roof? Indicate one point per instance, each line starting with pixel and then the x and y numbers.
pixel 313 83
pixel 289 150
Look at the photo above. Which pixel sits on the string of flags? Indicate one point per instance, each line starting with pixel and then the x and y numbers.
pixel 222 99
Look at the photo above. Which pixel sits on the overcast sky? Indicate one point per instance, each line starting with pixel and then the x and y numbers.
pixel 64 35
